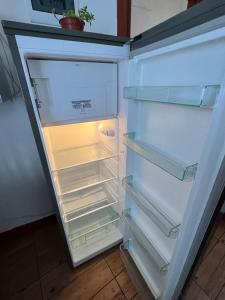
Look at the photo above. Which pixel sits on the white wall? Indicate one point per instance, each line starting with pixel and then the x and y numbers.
pixel 14 10
pixel 148 13
pixel 105 12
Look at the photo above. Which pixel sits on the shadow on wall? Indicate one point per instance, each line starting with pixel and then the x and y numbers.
pixel 9 84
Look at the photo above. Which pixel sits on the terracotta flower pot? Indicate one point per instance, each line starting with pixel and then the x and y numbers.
pixel 193 2
pixel 72 23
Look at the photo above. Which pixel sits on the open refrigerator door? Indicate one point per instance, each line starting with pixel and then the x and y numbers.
pixel 171 101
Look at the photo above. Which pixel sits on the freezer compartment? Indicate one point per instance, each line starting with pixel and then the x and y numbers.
pixel 168 225
pixel 68 91
pixel 134 274
pixel 94 233
pixel 171 164
pixel 146 266
pixel 76 178
pixel 200 96
pixel 89 200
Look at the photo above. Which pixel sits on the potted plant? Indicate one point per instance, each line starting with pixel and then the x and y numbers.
pixel 75 20
pixel 193 2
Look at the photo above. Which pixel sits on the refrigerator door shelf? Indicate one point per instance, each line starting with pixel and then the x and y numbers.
pixel 89 200
pixel 148 246
pixel 134 274
pixel 74 179
pixel 201 96
pixel 150 207
pixel 146 266
pixel 70 158
pixel 171 165
pixel 83 229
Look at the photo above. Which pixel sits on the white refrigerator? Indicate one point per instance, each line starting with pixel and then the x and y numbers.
pixel 135 145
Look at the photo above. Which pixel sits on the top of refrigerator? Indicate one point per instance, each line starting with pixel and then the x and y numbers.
pixel 201 13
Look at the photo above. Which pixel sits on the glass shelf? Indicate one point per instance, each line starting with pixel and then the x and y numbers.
pixel 201 96
pixel 80 177
pixel 82 229
pixel 134 274
pixel 68 158
pixel 165 223
pixel 171 165
pixel 88 200
pixel 148 246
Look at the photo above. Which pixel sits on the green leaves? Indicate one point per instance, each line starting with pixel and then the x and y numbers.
pixel 70 14
pixel 82 14
pixel 86 16
pixel 54 14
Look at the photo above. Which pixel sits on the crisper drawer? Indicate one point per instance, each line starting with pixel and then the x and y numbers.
pixel 94 233
pixel 74 90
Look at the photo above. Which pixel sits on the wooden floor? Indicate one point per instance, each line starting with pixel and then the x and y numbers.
pixel 33 266
pixel 208 279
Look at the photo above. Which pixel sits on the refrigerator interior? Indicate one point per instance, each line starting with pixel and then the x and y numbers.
pixel 83 160
pixel 170 100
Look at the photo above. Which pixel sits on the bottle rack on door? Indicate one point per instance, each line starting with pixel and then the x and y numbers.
pixel 140 246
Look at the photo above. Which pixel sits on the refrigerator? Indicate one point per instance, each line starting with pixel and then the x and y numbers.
pixel 133 143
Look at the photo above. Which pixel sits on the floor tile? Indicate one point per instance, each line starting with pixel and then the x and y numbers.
pixel 126 285
pixel 20 270
pixel 192 291
pixel 112 258
pixel 219 227
pixel 221 295
pixel 62 275
pixel 217 281
pixel 33 292
pixel 87 284
pixel 50 249
pixel 202 296
pixel 206 270
pixel 10 246
pixel 111 291
pixel 136 297
pixel 209 246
